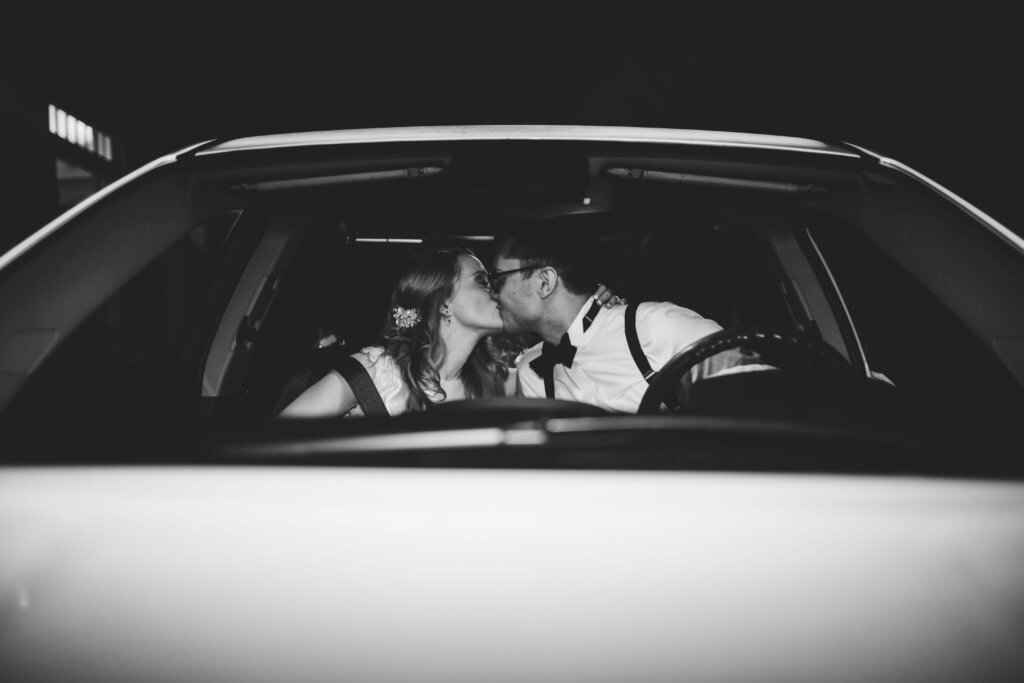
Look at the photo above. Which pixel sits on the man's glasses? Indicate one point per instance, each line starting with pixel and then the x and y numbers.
pixel 497 279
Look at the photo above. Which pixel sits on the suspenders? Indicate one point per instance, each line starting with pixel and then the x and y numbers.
pixel 549 382
pixel 632 340
pixel 634 343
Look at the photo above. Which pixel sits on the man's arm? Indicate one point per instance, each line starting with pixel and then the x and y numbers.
pixel 666 329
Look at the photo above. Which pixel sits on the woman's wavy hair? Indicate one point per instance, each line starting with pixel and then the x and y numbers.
pixel 425 284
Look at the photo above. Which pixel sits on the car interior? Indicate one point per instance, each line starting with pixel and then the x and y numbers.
pixel 321 276
pixel 289 256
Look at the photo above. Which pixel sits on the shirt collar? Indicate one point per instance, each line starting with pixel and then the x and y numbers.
pixel 577 335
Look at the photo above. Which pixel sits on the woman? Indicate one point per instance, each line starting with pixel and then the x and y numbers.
pixel 441 310
pixel 434 347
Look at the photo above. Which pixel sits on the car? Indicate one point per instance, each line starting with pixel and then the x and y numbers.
pixel 853 512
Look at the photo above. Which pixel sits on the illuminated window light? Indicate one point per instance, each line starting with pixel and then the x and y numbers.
pixel 390 240
pixel 79 133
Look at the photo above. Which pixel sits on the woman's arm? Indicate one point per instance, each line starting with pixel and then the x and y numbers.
pixel 330 396
pixel 607 297
pixel 511 385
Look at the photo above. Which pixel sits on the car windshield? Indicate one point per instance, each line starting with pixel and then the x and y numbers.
pixel 175 318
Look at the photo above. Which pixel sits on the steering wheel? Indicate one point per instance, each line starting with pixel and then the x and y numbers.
pixel 785 349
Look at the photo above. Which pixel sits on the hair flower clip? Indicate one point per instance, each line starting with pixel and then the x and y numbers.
pixel 405 317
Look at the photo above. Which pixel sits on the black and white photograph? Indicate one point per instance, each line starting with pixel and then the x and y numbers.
pixel 551 343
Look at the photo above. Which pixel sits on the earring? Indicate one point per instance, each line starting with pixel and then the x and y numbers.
pixel 446 313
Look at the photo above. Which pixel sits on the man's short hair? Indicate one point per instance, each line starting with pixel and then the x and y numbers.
pixel 573 256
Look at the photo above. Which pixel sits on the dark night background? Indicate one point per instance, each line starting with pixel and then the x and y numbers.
pixel 935 89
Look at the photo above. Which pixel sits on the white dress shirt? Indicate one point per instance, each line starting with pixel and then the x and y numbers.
pixel 603 371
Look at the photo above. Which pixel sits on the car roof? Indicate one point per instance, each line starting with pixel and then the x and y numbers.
pixel 528 132
pixel 215 148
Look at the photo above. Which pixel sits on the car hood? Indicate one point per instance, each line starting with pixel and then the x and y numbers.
pixel 267 573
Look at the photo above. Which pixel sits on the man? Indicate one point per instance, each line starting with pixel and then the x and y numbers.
pixel 546 286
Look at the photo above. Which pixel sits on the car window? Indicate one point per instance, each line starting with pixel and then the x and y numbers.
pixel 124 363
pixel 910 338
pixel 331 292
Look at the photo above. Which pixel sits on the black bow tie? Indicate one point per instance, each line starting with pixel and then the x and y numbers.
pixel 551 355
